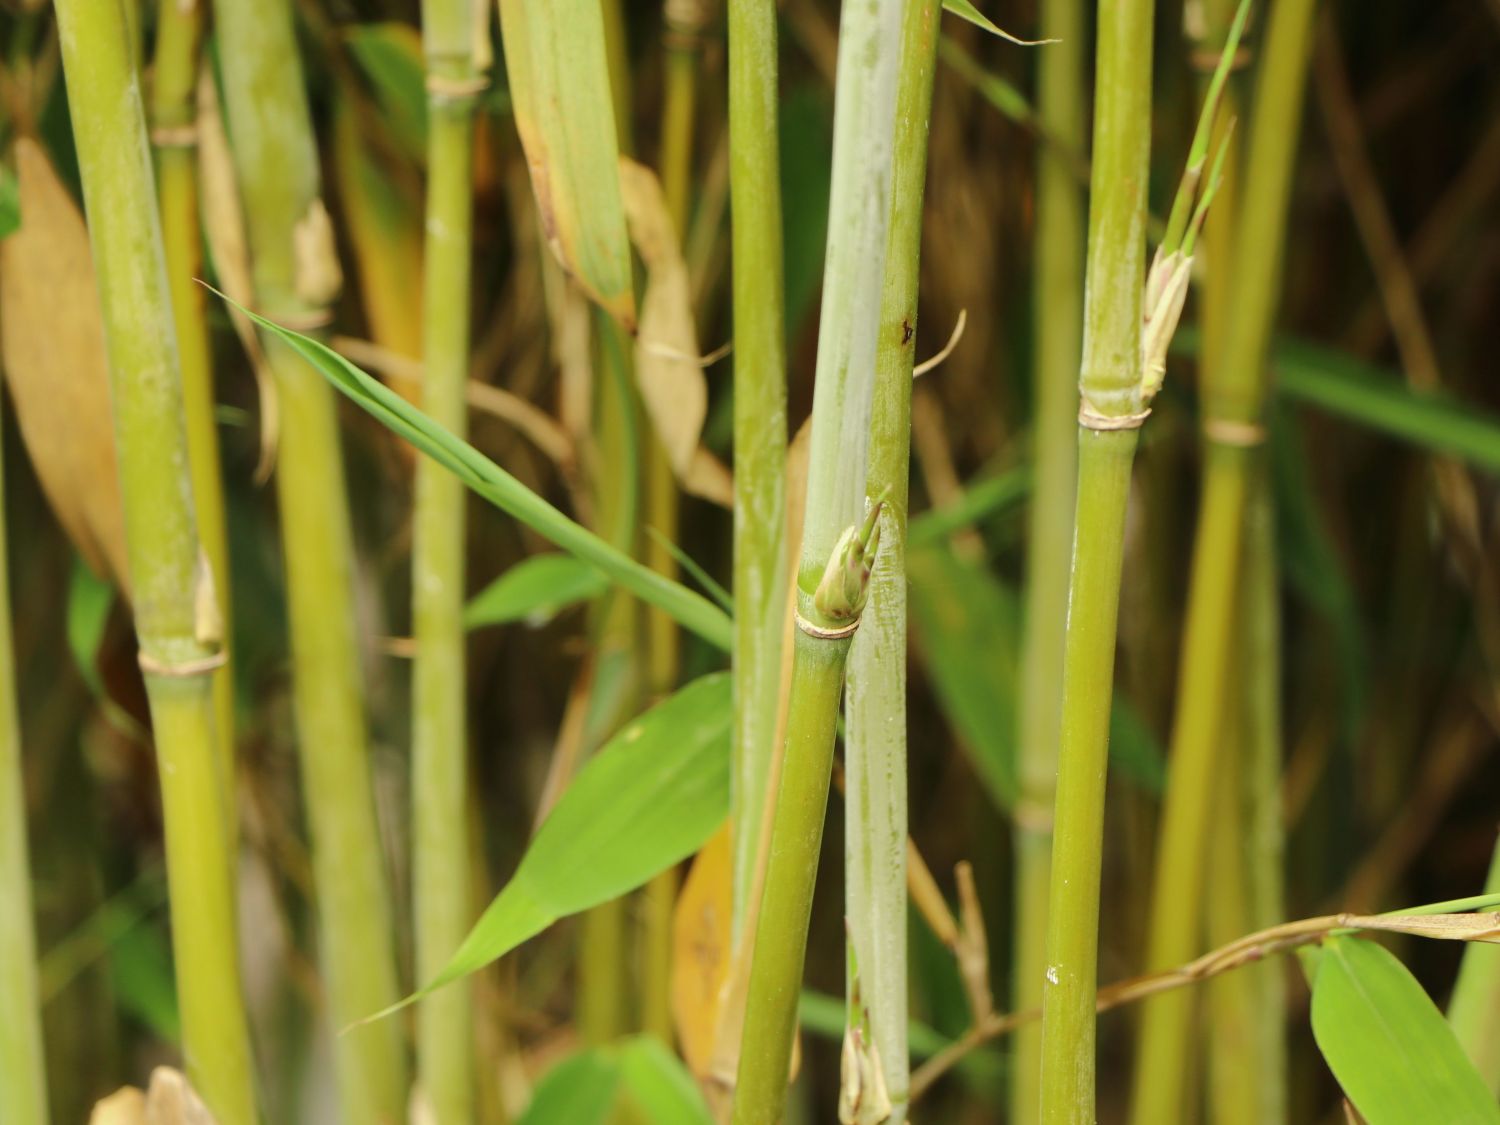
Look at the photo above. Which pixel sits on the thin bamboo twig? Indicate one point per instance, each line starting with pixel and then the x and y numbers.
pixel 760 437
pixel 834 571
pixel 23 1079
pixel 1444 921
pixel 1111 385
pixel 455 41
pixel 1057 318
pixel 1234 404
pixel 174 136
pixel 175 604
pixel 875 835
pixel 296 277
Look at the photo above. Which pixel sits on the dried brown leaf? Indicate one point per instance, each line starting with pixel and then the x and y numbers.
pixel 126 1106
pixel 172 1101
pixel 702 940
pixel 55 362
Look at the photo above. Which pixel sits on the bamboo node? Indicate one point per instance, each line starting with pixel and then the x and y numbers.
pixel 1228 431
pixel 184 669
pixel 1091 419
pixel 822 632
pixel 444 88
pixel 175 136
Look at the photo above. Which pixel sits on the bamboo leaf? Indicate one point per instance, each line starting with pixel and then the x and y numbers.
pixel 10 202
pixel 578 1090
pixel 1387 1044
pixel 650 798
pixel 658 1087
pixel 55 363
pixel 559 86
pixel 636 1080
pixel 689 609
pixel 534 591
pixel 90 599
pixel 964 10
pixel 968 627
pixel 702 944
pixel 390 55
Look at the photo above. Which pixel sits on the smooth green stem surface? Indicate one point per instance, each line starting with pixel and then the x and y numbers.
pixel 174 107
pixel 295 279
pixel 760 438
pixel 875 837
pixel 179 640
pixel 23 1079
pixel 442 883
pixel 1057 318
pixel 1235 395
pixel 1474 1011
pixel 791 872
pixel 1110 386
pixel 1071 975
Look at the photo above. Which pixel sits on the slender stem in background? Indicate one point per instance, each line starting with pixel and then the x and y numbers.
pixel 875 749
pixel 833 573
pixel 23 1078
pixel 1110 383
pixel 684 22
pixel 175 607
pixel 760 439
pixel 296 277
pixel 1473 1011
pixel 1233 408
pixel 1057 317
pixel 174 110
pixel 441 879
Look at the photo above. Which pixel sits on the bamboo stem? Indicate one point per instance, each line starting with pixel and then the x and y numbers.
pixel 1111 387
pixel 760 438
pixel 875 840
pixel 1057 318
pixel 836 551
pixel 176 622
pixel 441 879
pixel 174 110
pixel 295 279
pixel 1234 403
pixel 23 1078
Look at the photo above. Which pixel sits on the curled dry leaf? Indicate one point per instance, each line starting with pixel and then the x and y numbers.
pixel 702 937
pixel 171 1100
pixel 126 1106
pixel 52 346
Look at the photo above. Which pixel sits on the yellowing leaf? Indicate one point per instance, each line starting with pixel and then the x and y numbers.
pixel 559 85
pixel 666 351
pixel 52 347
pixel 702 938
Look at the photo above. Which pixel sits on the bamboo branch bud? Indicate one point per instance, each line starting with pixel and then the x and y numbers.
pixel 846 580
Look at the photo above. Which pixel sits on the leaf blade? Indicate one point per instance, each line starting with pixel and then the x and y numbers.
pixel 535 591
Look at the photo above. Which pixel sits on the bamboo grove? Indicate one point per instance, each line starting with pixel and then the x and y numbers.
pixel 749 561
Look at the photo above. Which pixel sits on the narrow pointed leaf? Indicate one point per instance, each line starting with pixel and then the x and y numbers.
pixel 688 608
pixel 559 86
pixel 964 10
pixel 390 55
pixel 649 799
pixel 1387 1044
pixel 535 591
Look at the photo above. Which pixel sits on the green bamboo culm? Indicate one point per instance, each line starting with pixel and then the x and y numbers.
pixel 23 1078
pixel 875 839
pixel 176 617
pixel 455 43
pixel 1234 405
pixel 840 539
pixel 760 439
pixel 1057 319
pixel 296 277
pixel 174 134
pixel 1112 374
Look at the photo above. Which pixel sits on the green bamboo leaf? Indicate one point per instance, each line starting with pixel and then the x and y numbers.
pixel 390 55
pixel 1387 1044
pixel 1134 749
pixel 535 591
pixel 650 798
pixel 689 609
pixel 638 1079
pixel 964 10
pixel 90 601
pixel 979 501
pixel 1343 385
pixel 10 202
pixel 968 627
pixel 578 1090
pixel 559 86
